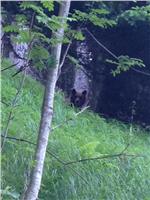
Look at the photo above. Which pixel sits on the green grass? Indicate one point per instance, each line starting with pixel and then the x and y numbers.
pixel 87 136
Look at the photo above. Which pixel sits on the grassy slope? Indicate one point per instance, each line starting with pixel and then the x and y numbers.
pixel 88 135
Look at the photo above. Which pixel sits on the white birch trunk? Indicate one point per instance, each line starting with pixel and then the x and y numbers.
pixel 47 112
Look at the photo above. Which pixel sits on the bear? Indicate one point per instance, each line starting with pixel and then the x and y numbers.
pixel 78 99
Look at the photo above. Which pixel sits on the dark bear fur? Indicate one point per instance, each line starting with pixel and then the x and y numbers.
pixel 78 99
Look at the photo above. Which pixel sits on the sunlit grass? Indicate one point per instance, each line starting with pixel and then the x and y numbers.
pixel 85 136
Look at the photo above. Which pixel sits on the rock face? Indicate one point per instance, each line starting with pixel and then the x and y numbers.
pixel 75 79
pixel 17 54
pixel 81 81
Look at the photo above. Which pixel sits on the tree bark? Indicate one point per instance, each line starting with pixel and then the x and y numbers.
pixel 47 112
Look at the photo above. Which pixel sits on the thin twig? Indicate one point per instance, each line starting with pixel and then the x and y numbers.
pixel 64 163
pixel 32 21
pixel 50 153
pixel 111 53
pixel 13 104
pixel 125 148
pixel 5 103
pixel 98 42
pixel 21 69
pixel 64 56
pixel 63 60
pixel 141 72
pixel 103 157
pixel 9 67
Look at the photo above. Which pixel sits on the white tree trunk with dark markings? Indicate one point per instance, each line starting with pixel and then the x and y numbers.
pixel 47 112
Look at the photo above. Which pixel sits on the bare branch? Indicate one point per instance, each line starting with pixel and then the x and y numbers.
pixel 3 102
pixel 111 53
pixel 63 60
pixel 32 21
pixel 64 56
pixel 13 104
pixel 104 157
pixel 21 69
pixel 98 42
pixel 9 67
pixel 50 153
pixel 67 164
pixel 141 72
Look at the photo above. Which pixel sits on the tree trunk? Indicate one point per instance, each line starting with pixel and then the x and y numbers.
pixel 47 112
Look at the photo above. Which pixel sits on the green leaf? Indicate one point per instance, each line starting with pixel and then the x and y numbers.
pixel 78 35
pixel 48 4
pixel 20 18
pixel 134 15
pixel 11 28
pixel 38 53
pixel 96 17
pixel 124 63
pixel 31 5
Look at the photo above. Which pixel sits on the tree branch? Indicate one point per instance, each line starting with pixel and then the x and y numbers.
pixel 111 53
pixel 104 157
pixel 13 104
pixel 63 60
pixel 9 67
pixel 64 56
pixel 100 44
pixel 141 72
pixel 64 163
pixel 50 153
pixel 3 102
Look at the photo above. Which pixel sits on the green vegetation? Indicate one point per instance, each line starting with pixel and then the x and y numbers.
pixel 86 136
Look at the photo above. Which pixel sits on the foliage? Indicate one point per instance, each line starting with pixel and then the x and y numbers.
pixel 135 15
pixel 73 34
pixel 86 136
pixel 45 59
pixel 95 16
pixel 48 4
pixel 124 63
pixel 10 28
pixel 28 29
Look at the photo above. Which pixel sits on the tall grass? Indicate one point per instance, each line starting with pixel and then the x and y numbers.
pixel 86 136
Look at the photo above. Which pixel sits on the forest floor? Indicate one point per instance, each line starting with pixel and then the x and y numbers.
pixel 74 138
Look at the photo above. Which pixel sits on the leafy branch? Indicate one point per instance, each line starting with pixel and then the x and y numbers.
pixel 123 63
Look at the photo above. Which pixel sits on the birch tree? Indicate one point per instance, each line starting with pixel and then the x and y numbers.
pixel 47 110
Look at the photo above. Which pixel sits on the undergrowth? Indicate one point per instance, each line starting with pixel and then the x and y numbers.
pixel 78 137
